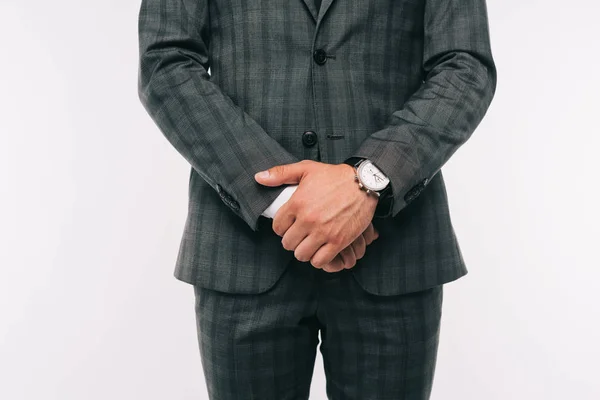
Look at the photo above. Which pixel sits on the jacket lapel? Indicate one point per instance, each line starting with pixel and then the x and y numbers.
pixel 324 7
pixel 317 14
pixel 310 4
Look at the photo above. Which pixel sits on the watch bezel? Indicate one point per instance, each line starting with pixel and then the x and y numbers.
pixel 359 171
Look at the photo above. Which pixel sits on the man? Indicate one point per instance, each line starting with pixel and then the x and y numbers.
pixel 316 200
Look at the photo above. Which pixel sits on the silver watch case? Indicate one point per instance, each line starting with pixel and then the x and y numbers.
pixel 367 167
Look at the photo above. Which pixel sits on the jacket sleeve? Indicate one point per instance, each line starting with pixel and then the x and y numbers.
pixel 224 145
pixel 460 82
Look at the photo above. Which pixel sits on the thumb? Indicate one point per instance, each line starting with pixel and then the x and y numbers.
pixel 281 174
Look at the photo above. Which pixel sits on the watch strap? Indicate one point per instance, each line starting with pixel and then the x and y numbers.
pixel 354 161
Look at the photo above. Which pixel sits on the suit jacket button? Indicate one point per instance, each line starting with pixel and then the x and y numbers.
pixel 309 138
pixel 320 56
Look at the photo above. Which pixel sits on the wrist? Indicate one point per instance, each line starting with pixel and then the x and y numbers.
pixel 370 198
pixel 374 181
pixel 350 170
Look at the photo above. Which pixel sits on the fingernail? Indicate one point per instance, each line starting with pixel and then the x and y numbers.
pixel 262 174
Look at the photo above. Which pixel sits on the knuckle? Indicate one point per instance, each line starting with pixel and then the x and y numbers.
pixel 335 240
pixel 285 244
pixel 300 256
pixel 311 217
pixel 277 229
pixel 317 262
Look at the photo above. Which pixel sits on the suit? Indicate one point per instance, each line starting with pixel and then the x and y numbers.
pixel 403 83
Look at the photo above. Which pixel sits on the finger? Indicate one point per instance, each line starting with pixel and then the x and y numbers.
pixel 308 247
pixel 336 265
pixel 324 255
pixel 369 234
pixel 282 174
pixel 293 237
pixel 360 246
pixel 349 257
pixel 284 218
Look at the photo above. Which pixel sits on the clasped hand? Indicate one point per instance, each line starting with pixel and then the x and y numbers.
pixel 327 220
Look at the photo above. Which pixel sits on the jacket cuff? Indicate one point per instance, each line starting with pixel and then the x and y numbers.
pixel 407 180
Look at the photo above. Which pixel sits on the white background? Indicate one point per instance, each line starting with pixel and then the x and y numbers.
pixel 93 201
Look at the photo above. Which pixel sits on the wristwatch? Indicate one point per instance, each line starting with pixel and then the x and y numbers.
pixel 374 182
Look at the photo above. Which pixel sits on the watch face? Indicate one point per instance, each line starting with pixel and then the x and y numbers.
pixel 372 177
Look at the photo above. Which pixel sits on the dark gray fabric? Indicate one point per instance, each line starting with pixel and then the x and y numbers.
pixel 404 83
pixel 263 346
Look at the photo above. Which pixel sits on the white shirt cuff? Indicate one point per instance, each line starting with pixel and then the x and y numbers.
pixel 279 201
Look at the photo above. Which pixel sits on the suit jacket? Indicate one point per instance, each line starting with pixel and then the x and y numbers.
pixel 401 82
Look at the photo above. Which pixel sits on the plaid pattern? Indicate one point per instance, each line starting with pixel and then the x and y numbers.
pixel 405 83
pixel 263 346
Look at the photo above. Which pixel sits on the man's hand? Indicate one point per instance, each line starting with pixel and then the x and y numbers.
pixel 346 259
pixel 326 213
